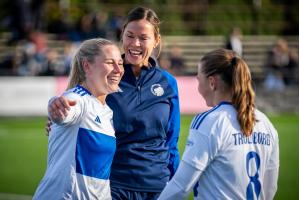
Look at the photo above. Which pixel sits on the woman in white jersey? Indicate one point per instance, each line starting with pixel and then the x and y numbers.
pixel 82 144
pixel 232 149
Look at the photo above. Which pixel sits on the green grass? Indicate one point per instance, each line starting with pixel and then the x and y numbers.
pixel 23 153
pixel 288 130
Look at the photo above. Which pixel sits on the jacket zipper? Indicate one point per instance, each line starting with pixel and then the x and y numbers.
pixel 139 94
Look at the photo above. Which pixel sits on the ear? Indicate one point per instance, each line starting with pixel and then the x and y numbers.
pixel 86 66
pixel 212 82
pixel 158 40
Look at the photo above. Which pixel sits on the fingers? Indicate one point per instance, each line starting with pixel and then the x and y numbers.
pixel 48 126
pixel 59 107
pixel 57 110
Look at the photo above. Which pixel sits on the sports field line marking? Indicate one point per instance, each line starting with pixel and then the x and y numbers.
pixel 6 196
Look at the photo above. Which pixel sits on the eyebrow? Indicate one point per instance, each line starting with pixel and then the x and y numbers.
pixel 112 59
pixel 134 33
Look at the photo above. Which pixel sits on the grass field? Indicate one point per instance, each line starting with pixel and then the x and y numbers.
pixel 23 149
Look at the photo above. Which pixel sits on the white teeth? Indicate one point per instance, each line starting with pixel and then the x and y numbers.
pixel 134 52
pixel 113 78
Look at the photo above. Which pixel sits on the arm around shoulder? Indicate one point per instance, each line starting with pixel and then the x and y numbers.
pixel 59 107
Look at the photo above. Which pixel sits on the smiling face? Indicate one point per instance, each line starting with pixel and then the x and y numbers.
pixel 104 74
pixel 138 42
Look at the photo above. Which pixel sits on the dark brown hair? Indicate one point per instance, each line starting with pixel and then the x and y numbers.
pixel 148 14
pixel 236 75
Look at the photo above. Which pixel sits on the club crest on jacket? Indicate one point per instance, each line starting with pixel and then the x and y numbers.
pixel 157 90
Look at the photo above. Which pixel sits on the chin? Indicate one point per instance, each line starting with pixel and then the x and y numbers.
pixel 135 61
pixel 113 89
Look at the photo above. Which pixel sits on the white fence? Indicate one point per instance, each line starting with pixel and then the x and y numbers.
pixel 25 96
pixel 28 96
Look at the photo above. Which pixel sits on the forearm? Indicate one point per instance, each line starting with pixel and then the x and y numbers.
pixel 173 136
pixel 182 183
pixel 270 183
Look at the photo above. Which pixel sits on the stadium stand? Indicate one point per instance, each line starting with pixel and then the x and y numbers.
pixel 255 49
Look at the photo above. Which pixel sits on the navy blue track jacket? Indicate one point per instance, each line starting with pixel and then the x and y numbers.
pixel 146 119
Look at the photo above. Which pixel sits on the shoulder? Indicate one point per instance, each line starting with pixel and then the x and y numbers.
pixel 162 75
pixel 216 116
pixel 153 62
pixel 168 77
pixel 262 118
pixel 70 94
pixel 77 93
pixel 260 115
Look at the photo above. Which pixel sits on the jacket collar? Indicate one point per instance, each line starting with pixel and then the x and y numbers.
pixel 151 61
pixel 129 76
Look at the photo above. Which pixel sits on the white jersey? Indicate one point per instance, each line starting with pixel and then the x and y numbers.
pixel 80 151
pixel 234 166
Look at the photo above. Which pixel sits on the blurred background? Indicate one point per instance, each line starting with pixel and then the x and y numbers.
pixel 38 38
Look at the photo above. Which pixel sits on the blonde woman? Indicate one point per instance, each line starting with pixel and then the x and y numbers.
pixel 82 143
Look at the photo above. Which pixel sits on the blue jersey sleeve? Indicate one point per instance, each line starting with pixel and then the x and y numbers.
pixel 173 128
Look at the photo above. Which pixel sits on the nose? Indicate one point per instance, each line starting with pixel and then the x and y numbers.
pixel 118 68
pixel 136 41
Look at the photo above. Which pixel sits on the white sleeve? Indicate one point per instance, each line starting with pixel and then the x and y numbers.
pixel 182 183
pixel 271 173
pixel 270 183
pixel 76 112
pixel 197 151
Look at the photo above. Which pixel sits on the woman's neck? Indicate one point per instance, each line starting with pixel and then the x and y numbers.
pixel 136 68
pixel 95 93
pixel 102 99
pixel 221 97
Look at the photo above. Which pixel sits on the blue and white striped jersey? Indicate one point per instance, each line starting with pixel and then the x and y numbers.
pixel 80 151
pixel 234 166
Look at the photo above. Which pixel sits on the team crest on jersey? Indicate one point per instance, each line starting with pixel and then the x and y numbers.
pixel 157 90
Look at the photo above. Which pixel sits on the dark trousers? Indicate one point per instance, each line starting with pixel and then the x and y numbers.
pixel 123 194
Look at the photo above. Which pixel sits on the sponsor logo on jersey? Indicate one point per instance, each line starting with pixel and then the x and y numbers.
pixel 157 90
pixel 97 119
